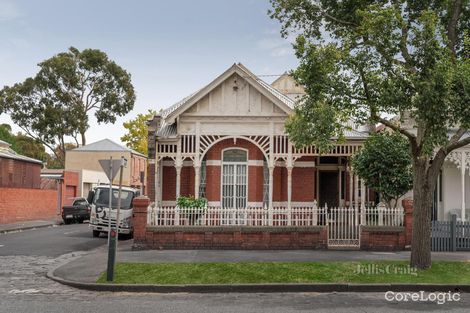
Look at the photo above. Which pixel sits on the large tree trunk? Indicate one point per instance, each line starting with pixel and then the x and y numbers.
pixel 82 134
pixel 423 187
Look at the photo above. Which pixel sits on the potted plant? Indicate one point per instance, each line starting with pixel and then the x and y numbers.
pixel 191 208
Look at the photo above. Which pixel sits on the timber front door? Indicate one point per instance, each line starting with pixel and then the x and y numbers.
pixel 234 179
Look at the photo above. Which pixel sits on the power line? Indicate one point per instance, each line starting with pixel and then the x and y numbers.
pixel 269 75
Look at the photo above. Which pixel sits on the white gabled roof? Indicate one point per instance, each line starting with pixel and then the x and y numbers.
pixel 106 145
pixel 284 102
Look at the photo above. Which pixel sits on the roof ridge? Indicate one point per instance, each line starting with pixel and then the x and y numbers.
pixel 91 146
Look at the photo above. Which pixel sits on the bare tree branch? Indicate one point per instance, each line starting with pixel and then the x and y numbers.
pixel 452 146
pixel 397 128
pixel 28 132
pixel 452 25
pixel 336 20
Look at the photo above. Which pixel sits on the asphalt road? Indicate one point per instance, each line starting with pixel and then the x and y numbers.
pixel 26 256
pixel 50 241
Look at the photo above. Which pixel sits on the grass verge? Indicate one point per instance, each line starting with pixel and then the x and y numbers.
pixel 442 272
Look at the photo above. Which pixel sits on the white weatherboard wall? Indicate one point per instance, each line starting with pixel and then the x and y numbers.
pixel 451 190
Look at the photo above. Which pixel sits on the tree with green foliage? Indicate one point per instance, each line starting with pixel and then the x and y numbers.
pixel 22 144
pixel 57 102
pixel 7 135
pixel 136 136
pixel 364 61
pixel 384 163
pixel 55 161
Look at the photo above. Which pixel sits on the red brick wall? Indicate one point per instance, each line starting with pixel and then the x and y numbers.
pixel 255 183
pixel 280 184
pixel 213 172
pixel 222 237
pixel 168 183
pixel 19 174
pixel 150 187
pixel 383 238
pixel 187 181
pixel 236 238
pixel 303 184
pixel 213 183
pixel 22 204
pixel 215 152
pixel 71 181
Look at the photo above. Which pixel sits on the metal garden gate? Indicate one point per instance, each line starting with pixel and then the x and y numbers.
pixel 343 227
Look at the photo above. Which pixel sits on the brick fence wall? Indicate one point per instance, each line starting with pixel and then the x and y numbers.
pixel 229 237
pixel 389 238
pixel 382 238
pixel 239 237
pixel 23 204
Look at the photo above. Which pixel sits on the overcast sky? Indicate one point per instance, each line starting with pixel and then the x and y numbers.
pixel 171 47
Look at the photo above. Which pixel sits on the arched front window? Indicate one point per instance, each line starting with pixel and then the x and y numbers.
pixel 235 155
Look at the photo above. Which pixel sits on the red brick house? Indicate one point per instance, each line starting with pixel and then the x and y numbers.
pixel 227 143
pixel 23 194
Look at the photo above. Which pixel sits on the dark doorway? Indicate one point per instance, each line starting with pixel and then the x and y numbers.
pixel 328 188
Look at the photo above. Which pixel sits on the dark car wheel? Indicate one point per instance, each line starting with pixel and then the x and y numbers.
pixel 67 221
pixel 96 233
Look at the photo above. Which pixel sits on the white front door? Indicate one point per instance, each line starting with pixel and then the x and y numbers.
pixel 234 185
pixel 234 179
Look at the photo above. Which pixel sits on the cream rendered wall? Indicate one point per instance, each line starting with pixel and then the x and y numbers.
pixel 88 160
pixel 92 178
pixel 287 85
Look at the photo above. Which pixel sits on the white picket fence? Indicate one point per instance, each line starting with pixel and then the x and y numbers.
pixel 341 220
pixel 250 216
pixel 383 216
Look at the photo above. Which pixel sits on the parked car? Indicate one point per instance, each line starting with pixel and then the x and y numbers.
pixel 77 212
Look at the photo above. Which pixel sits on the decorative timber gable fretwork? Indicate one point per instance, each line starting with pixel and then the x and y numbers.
pixel 460 158
pixel 273 147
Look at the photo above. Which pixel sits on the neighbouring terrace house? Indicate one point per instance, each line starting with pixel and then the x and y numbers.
pixel 85 160
pixel 227 143
pixel 452 194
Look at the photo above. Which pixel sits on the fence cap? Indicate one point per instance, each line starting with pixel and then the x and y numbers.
pixel 141 201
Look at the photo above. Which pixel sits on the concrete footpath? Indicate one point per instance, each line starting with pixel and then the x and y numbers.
pixel 25 225
pixel 83 271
